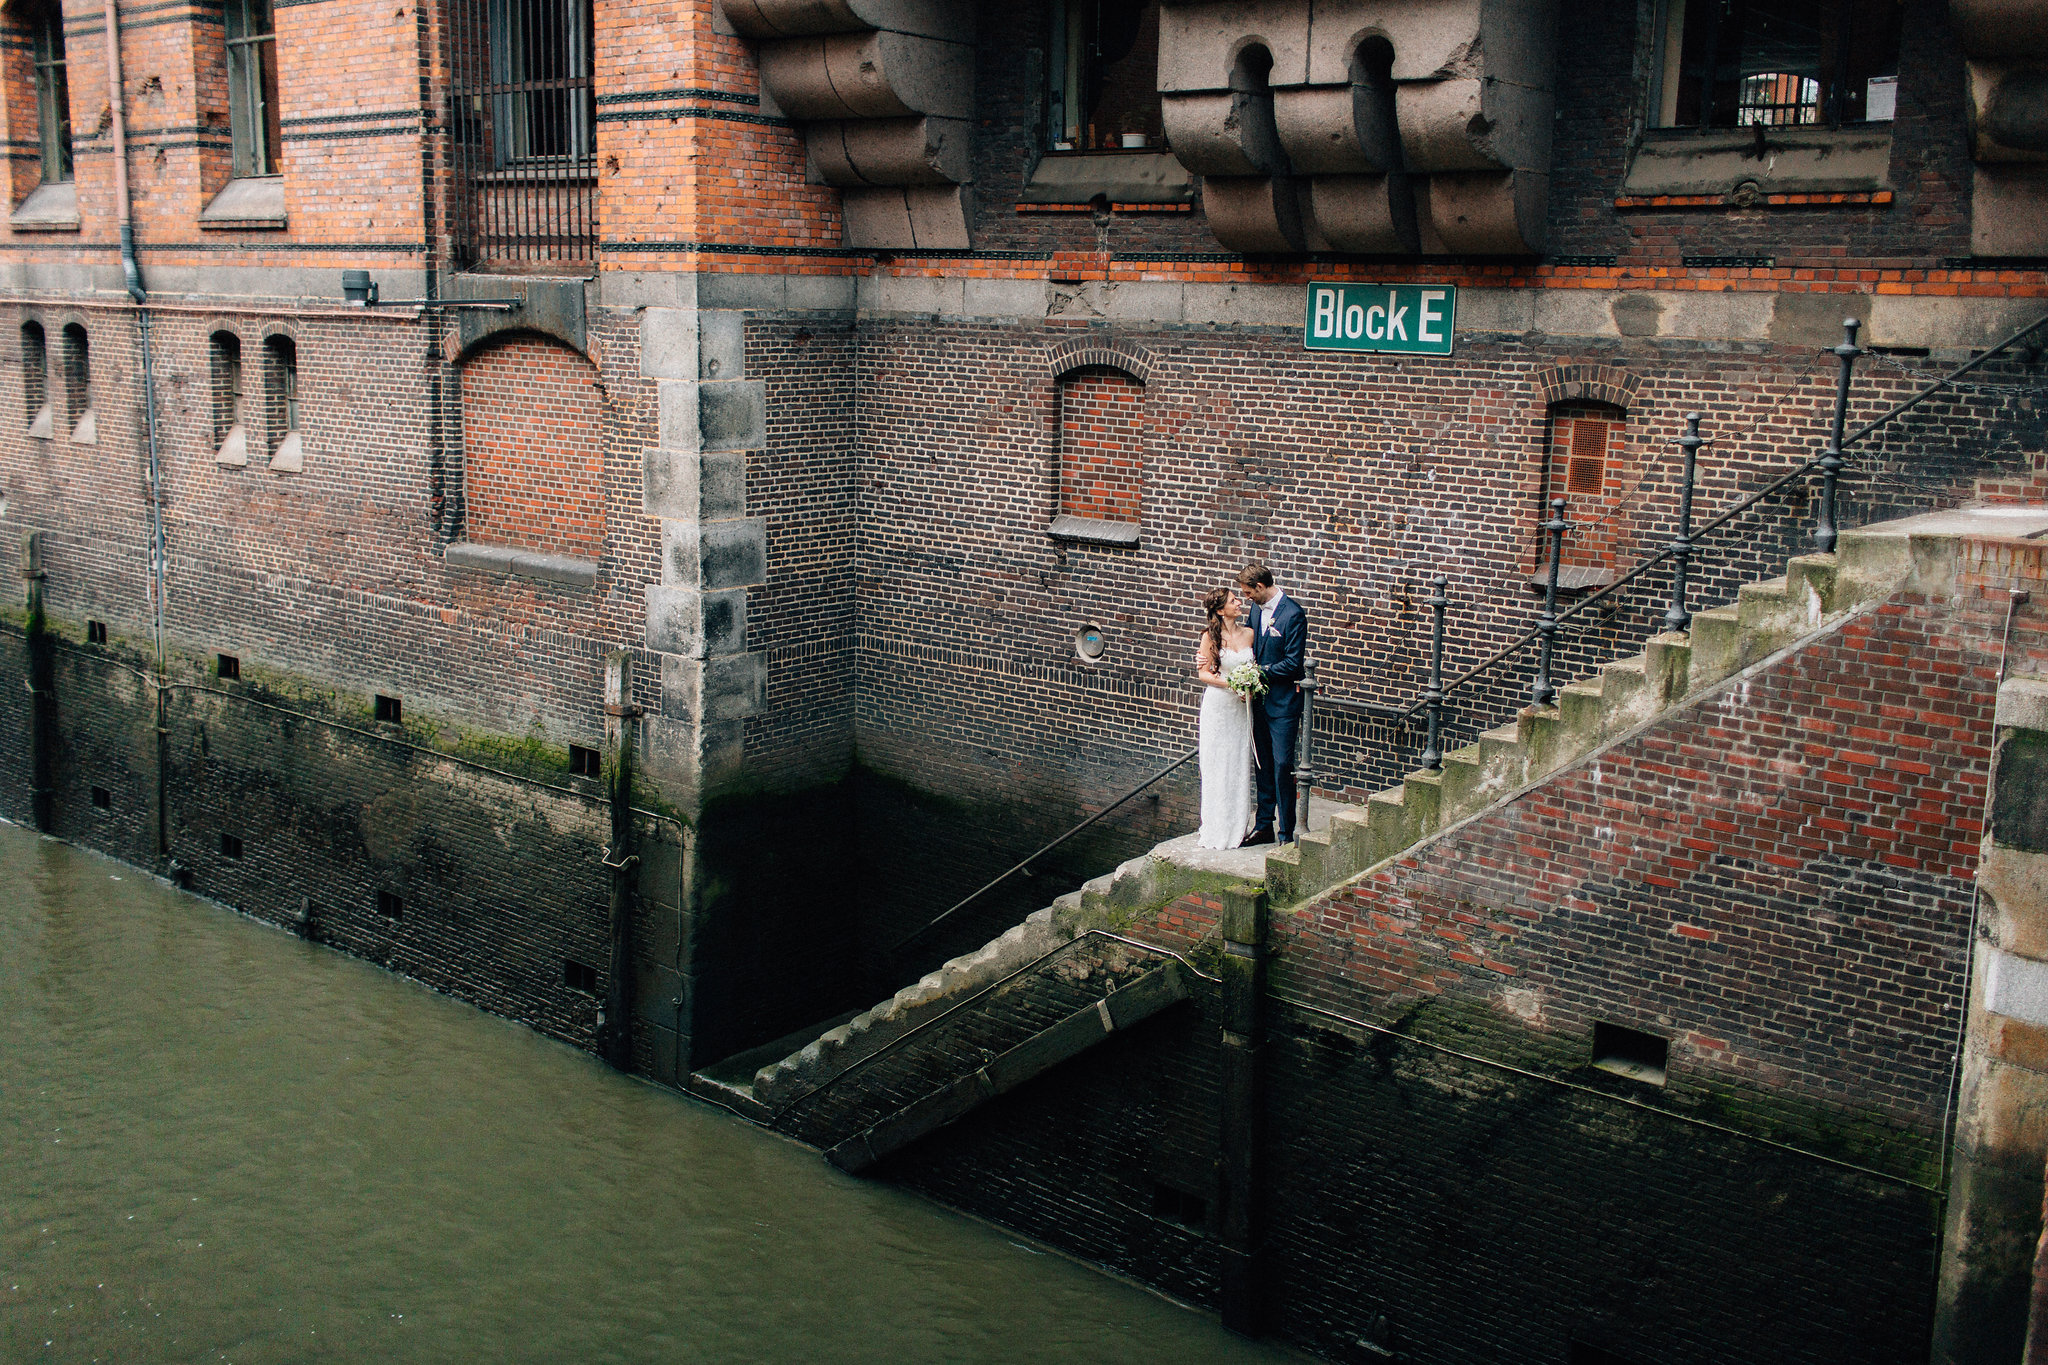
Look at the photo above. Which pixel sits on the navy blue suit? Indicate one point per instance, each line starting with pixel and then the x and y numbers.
pixel 1280 648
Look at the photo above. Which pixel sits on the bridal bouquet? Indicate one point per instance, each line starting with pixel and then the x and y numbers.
pixel 1246 680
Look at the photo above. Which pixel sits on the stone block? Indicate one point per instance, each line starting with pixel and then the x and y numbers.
pixel 1243 305
pixel 669 759
pixel 1025 299
pixel 1816 319
pixel 729 687
pixel 684 485
pixel 818 293
pixel 721 345
pixel 568 570
pixel 721 415
pixel 554 308
pixel 493 559
pixel 714 555
pixel 668 343
pixel 695 624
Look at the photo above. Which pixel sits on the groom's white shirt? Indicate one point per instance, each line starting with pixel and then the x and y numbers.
pixel 1272 605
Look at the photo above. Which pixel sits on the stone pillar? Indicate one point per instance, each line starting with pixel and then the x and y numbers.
pixel 1240 1222
pixel 711 417
pixel 42 690
pixel 615 1037
pixel 2001 1122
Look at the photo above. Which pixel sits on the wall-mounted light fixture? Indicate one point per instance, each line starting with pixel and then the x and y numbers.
pixel 358 290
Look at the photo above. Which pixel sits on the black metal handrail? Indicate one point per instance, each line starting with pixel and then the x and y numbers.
pixel 1829 461
pixel 984 889
pixel 1436 695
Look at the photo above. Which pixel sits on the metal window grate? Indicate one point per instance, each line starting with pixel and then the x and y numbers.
pixel 523 125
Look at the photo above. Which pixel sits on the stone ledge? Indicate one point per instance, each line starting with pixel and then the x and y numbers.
pixel 504 560
pixel 1089 531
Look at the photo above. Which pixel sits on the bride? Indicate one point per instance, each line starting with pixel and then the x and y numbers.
pixel 1226 724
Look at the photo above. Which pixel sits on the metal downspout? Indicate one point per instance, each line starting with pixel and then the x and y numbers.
pixel 131 273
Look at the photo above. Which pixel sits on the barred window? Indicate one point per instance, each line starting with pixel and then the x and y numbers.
pixel 1777 63
pixel 253 123
pixel 53 95
pixel 524 119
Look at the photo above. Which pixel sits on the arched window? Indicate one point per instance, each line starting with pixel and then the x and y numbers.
pixel 1101 455
pixel 1582 465
pixel 281 405
pixel 77 363
pixel 230 429
pixel 35 380
pixel 533 448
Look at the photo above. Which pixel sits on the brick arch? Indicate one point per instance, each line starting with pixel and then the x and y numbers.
pixel 533 446
pixel 1608 384
pixel 1103 353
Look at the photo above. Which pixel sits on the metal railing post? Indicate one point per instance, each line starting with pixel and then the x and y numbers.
pixel 1824 531
pixel 1304 771
pixel 1433 699
pixel 1678 616
pixel 1541 690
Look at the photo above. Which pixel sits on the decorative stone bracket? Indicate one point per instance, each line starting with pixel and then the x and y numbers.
pixel 2006 44
pixel 1377 126
pixel 886 91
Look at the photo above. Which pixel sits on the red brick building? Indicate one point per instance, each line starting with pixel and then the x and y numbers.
pixel 881 383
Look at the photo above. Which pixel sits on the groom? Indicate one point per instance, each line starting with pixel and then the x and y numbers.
pixel 1280 648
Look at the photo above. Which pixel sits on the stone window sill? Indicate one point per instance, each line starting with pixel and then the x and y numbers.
pixel 1683 161
pixel 234 449
pixel 1134 177
pixel 502 561
pixel 1089 531
pixel 254 203
pixel 43 426
pixel 87 432
pixel 49 208
pixel 1571 578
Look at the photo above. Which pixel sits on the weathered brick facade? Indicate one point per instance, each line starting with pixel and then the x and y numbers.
pixel 809 490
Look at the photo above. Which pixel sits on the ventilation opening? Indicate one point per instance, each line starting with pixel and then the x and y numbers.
pixel 1627 1052
pixel 578 977
pixel 228 666
pixel 95 632
pixel 230 846
pixel 584 762
pixel 390 905
pixel 1178 1206
pixel 102 799
pixel 387 708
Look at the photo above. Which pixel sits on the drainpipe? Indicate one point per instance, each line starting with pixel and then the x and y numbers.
pixel 131 273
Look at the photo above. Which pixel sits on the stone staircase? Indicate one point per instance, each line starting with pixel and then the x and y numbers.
pixel 1343 842
pixel 1816 591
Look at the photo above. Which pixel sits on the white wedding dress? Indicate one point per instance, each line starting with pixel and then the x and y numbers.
pixel 1226 749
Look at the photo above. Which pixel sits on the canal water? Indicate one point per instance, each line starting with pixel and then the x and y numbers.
pixel 220 1144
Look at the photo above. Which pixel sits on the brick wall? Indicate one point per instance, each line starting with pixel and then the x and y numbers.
pixel 533 448
pixel 1776 878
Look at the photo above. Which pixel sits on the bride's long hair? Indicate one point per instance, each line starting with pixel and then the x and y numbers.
pixel 1214 604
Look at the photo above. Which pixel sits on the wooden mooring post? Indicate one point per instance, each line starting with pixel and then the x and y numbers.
pixel 42 690
pixel 1240 1139
pixel 621 726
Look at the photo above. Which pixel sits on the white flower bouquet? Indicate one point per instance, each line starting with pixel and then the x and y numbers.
pixel 1247 680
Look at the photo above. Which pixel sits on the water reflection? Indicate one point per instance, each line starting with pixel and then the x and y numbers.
pixel 218 1143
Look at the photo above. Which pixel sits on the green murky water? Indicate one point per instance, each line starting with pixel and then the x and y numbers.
pixel 220 1144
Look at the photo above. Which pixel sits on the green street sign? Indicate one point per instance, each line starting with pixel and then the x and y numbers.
pixel 1410 318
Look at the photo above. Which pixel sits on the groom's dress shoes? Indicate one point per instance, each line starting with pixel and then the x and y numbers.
pixel 1257 836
